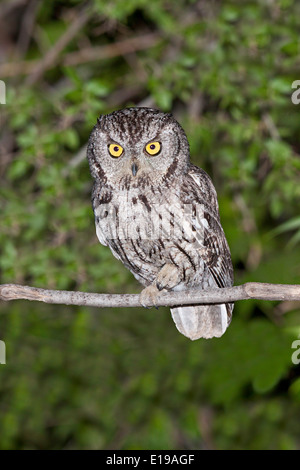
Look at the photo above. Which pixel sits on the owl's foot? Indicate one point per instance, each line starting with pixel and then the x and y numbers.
pixel 148 296
pixel 168 277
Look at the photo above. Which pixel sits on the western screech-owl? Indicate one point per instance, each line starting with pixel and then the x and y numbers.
pixel 159 214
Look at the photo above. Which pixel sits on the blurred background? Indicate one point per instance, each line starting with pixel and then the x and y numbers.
pixel 80 378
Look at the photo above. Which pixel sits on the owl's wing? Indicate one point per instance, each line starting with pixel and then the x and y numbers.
pixel 205 321
pixel 214 250
pixel 99 199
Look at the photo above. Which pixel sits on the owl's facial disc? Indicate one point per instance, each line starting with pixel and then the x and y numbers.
pixel 134 145
pixel 134 157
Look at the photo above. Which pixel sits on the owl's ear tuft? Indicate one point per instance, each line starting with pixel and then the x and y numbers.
pixel 100 121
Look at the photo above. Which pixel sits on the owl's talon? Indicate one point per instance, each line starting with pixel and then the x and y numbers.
pixel 168 277
pixel 148 296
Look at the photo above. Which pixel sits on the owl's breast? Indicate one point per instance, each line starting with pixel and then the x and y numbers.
pixel 132 227
pixel 145 233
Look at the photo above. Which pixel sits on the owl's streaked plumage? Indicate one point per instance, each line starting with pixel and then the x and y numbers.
pixel 159 214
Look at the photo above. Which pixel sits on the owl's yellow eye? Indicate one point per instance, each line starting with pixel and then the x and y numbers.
pixel 153 148
pixel 115 150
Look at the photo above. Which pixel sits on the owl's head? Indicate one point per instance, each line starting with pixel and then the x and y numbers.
pixel 137 146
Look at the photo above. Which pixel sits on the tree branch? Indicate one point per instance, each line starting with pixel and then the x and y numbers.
pixel 50 59
pixel 92 54
pixel 250 290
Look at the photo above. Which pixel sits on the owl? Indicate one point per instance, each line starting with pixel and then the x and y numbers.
pixel 158 213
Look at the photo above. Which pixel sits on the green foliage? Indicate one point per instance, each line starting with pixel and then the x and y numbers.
pixel 80 378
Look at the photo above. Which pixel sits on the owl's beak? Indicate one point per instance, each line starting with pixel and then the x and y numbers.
pixel 134 169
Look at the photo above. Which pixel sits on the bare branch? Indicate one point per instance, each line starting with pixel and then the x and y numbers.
pixel 92 54
pixel 127 46
pixel 52 55
pixel 250 290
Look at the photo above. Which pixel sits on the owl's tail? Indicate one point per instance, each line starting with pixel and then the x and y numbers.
pixel 205 321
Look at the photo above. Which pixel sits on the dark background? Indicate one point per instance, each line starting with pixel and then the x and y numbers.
pixel 79 378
